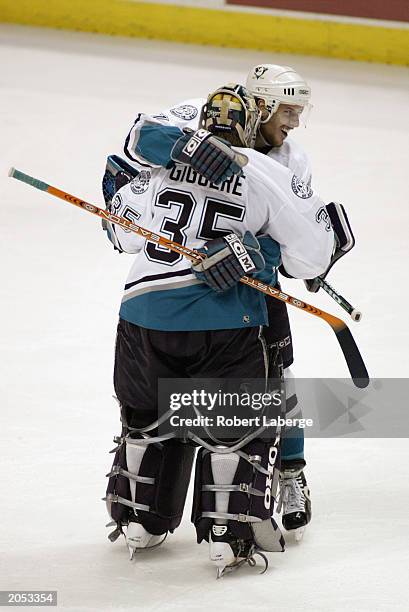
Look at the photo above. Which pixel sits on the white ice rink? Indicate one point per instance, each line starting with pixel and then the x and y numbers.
pixel 66 101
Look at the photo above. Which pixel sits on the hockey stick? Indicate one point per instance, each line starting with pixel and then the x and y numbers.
pixel 356 315
pixel 346 341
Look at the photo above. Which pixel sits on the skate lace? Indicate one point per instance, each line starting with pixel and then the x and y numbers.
pixel 292 497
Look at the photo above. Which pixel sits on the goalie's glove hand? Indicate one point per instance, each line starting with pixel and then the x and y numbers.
pixel 211 157
pixel 344 240
pixel 227 260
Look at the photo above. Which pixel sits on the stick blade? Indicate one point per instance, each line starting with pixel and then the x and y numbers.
pixel 353 357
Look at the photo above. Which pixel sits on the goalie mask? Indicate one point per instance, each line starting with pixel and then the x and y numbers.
pixel 231 113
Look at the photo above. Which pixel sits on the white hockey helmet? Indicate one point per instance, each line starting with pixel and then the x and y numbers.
pixel 278 85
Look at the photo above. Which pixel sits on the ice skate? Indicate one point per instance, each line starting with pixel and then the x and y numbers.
pixel 139 539
pixel 229 553
pixel 294 498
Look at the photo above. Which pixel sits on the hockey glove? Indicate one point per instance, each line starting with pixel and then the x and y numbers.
pixel 212 158
pixel 228 260
pixel 344 240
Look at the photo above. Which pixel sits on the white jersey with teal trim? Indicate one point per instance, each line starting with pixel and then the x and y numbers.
pixel 162 293
pixel 186 115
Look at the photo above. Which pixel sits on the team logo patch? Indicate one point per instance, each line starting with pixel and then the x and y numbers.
pixel 186 112
pixel 301 189
pixel 140 183
pixel 259 71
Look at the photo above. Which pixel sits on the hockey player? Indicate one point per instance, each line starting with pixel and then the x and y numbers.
pixel 283 98
pixel 172 324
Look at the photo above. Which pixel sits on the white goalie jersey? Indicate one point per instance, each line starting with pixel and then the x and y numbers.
pixel 161 292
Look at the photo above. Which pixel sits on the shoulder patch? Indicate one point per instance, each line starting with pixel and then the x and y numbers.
pixel 140 183
pixel 186 111
pixel 301 189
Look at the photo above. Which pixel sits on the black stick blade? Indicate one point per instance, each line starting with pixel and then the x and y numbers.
pixel 355 363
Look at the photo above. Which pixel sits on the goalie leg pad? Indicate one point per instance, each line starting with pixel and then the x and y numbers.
pixel 238 490
pixel 150 480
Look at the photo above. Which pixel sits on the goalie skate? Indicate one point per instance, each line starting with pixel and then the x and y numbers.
pixel 139 539
pixel 229 553
pixel 295 499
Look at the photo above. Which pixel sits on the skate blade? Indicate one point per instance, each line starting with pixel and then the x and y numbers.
pixel 239 562
pixel 133 552
pixel 138 550
pixel 227 569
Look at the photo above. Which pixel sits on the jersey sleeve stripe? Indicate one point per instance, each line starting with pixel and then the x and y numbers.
pixel 155 277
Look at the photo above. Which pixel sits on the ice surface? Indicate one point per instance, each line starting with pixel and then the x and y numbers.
pixel 66 101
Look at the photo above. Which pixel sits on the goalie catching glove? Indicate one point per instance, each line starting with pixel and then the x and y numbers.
pixel 344 238
pixel 228 260
pixel 210 157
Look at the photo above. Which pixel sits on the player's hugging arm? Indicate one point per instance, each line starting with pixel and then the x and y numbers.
pixel 152 137
pixel 303 229
pixel 158 141
pixel 150 142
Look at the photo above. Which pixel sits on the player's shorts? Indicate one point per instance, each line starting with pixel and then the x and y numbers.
pixel 142 356
pixel 278 330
